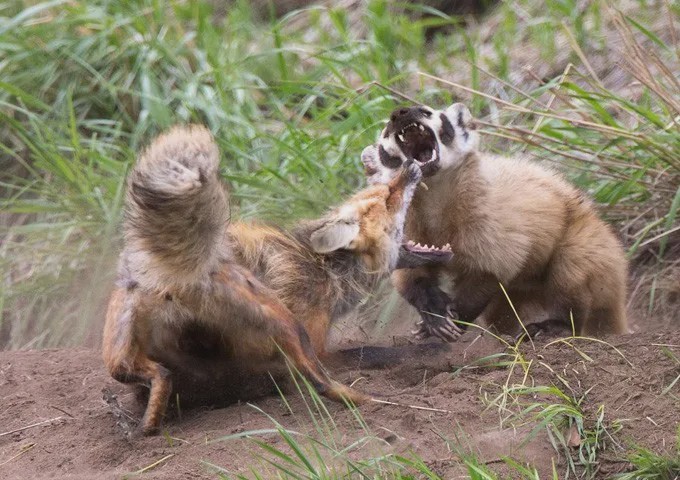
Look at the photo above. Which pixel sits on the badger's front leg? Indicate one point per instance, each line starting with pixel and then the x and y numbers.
pixel 419 286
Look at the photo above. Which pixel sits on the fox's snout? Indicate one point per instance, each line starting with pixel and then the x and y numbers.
pixel 412 172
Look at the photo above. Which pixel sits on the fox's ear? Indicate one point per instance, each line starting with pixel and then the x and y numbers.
pixel 337 232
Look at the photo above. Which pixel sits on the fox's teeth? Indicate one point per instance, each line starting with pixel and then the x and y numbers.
pixel 418 245
pixel 410 243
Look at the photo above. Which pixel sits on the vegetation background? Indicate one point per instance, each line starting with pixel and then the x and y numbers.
pixel 592 87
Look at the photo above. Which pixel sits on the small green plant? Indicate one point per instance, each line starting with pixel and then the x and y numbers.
pixel 572 433
pixel 668 353
pixel 318 454
pixel 647 465
pixel 331 452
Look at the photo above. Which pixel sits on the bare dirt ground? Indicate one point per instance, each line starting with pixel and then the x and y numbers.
pixel 55 424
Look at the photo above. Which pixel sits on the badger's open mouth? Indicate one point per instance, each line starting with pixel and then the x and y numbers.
pixel 413 255
pixel 418 142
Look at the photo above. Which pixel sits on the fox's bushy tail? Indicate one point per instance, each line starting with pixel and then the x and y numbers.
pixel 176 210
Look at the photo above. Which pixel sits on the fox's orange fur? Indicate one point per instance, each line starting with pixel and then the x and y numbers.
pixel 199 295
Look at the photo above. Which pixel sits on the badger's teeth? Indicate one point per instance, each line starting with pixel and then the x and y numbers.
pixel 422 129
pixel 401 137
pixel 434 154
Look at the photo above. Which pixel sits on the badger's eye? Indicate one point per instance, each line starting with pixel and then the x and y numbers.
pixel 426 112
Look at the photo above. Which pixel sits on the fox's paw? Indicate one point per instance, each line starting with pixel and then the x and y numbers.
pixel 343 393
pixel 372 167
pixel 179 178
pixel 440 326
pixel 180 160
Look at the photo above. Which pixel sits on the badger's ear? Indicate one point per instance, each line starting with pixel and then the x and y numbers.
pixel 466 138
pixel 337 232
pixel 459 115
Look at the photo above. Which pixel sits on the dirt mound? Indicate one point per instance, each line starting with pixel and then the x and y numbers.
pixel 55 424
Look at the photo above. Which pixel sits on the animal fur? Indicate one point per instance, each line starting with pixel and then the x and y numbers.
pixel 509 221
pixel 197 297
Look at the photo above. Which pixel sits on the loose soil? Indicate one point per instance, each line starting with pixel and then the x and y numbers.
pixel 54 422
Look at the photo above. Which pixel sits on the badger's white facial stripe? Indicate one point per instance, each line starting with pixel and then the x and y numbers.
pixel 454 138
pixel 391 147
pixel 376 172
pixel 465 137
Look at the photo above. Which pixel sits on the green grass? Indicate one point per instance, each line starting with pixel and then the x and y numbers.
pixel 647 465
pixel 331 452
pixel 292 103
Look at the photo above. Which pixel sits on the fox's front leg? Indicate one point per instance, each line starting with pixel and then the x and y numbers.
pixel 124 354
pixel 419 287
pixel 259 307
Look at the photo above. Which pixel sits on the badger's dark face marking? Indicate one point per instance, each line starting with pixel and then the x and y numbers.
pixel 413 135
pixel 433 139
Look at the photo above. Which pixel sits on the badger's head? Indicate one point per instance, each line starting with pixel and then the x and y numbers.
pixel 433 139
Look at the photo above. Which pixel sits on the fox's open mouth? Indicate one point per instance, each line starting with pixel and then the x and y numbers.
pixel 411 246
pixel 413 255
pixel 418 142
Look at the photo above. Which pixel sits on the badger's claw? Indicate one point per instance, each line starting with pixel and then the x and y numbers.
pixel 443 328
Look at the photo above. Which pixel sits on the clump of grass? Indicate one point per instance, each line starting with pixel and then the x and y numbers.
pixel 647 465
pixel 556 409
pixel 104 77
pixel 331 452
pixel 579 438
pixel 317 454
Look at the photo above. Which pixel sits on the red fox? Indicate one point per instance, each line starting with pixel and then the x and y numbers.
pixel 193 286
pixel 508 221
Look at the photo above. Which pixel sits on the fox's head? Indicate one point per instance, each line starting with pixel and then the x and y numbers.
pixel 432 139
pixel 371 223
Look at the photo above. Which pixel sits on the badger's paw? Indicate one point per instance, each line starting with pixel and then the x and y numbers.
pixel 440 326
pixel 549 329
